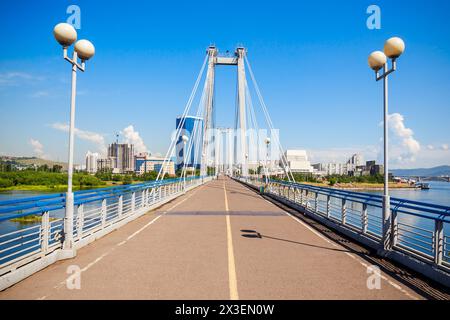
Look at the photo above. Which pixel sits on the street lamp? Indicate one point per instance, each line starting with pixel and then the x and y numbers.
pixel 393 48
pixel 66 35
pixel 185 140
pixel 267 141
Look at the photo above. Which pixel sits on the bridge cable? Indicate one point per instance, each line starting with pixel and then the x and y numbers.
pixel 269 122
pixel 181 124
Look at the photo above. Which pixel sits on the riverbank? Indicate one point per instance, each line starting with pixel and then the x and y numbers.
pixel 362 185
pixel 55 188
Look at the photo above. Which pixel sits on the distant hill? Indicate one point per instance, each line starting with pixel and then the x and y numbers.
pixel 423 172
pixel 32 161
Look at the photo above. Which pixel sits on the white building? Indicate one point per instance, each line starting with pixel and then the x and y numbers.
pixel 91 161
pixel 297 161
pixel 145 163
pixel 355 160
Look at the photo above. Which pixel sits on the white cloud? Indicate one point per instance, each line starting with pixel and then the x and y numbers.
pixel 403 147
pixel 131 136
pixel 430 147
pixel 15 77
pixel 40 94
pixel 95 138
pixel 444 147
pixel 38 148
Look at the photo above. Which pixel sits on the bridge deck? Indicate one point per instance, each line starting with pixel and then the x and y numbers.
pixel 205 245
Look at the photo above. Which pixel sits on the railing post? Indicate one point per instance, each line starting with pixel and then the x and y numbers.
pixel 120 207
pixel 294 189
pixel 364 218
pixel 103 212
pixel 80 221
pixel 133 202
pixel 328 206
pixel 344 210
pixel 301 197
pixel 316 201
pixel 45 230
pixel 159 193
pixel 307 199
pixel 394 230
pixel 438 241
pixel 143 199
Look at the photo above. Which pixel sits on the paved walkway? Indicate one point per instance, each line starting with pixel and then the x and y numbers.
pixel 219 241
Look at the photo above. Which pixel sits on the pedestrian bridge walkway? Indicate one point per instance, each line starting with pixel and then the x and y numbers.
pixel 221 240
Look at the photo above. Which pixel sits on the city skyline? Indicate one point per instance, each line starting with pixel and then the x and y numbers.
pixel 328 90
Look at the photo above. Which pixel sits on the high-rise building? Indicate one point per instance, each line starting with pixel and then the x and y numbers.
pixel 192 128
pixel 123 155
pixel 91 161
pixel 297 161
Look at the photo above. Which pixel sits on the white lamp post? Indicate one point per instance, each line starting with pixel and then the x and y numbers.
pixel 66 35
pixel 185 140
pixel 267 141
pixel 393 48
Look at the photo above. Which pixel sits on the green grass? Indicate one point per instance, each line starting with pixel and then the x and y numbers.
pixel 33 218
pixel 44 188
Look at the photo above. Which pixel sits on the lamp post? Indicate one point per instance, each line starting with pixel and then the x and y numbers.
pixel 246 167
pixel 66 35
pixel 393 48
pixel 267 141
pixel 185 140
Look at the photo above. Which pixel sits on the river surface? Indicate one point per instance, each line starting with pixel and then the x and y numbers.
pixel 438 194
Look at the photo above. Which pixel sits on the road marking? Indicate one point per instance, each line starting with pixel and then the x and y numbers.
pixel 232 280
pixel 354 257
pixel 89 265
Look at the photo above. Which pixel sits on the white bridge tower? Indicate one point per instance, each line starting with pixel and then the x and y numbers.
pixel 236 60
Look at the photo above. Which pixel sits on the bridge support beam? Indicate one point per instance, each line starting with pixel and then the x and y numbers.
pixel 240 52
pixel 207 121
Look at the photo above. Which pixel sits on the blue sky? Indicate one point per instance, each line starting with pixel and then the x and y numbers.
pixel 310 59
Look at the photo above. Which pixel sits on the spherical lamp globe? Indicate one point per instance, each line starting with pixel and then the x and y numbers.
pixel 65 34
pixel 185 138
pixel 377 60
pixel 394 47
pixel 267 140
pixel 85 49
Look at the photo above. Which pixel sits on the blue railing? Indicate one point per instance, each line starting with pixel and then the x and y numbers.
pixel 418 229
pixel 31 228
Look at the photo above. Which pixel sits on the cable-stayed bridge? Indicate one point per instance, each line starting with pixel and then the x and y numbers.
pixel 227 228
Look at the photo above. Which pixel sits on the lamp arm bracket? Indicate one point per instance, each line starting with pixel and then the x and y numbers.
pixel 73 61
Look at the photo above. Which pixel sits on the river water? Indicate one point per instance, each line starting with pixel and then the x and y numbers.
pixel 439 193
